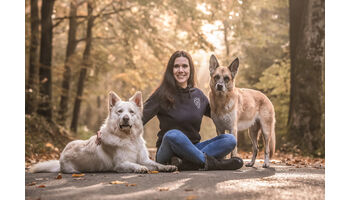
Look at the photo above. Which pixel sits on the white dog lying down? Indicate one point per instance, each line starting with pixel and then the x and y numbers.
pixel 122 147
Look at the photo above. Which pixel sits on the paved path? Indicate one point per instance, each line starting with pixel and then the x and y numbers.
pixel 278 182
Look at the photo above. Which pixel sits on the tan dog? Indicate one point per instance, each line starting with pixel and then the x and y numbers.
pixel 235 109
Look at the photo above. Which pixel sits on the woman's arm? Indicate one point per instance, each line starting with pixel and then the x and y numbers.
pixel 207 107
pixel 150 108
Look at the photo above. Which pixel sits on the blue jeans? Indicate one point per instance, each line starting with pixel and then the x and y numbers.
pixel 176 143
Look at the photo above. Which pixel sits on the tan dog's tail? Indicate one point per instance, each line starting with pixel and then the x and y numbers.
pixel 47 166
pixel 272 142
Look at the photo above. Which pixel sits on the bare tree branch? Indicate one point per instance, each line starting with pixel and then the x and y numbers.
pixel 94 16
pixel 57 23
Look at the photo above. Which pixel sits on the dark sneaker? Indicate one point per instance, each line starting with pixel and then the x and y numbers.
pixel 225 164
pixel 184 165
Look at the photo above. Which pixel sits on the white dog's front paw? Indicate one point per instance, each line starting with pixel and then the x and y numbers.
pixel 168 168
pixel 141 169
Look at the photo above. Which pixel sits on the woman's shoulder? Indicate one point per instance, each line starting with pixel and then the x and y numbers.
pixel 154 96
pixel 199 92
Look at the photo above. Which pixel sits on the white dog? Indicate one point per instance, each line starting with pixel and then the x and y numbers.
pixel 122 147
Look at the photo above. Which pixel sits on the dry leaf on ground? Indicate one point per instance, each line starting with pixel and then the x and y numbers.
pixel 153 172
pixel 59 176
pixel 163 189
pixel 78 175
pixel 118 182
pixel 41 186
pixel 32 183
pixel 191 197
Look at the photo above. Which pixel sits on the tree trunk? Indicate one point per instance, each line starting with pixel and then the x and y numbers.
pixel 33 79
pixel 71 46
pixel 306 112
pixel 227 44
pixel 83 71
pixel 45 105
pixel 99 118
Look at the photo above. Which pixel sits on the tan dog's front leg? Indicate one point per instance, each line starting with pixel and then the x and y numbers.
pixel 234 132
pixel 219 131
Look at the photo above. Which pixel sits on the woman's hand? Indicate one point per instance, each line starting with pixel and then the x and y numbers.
pixel 98 138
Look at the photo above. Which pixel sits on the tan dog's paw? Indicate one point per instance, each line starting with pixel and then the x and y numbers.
pixel 266 165
pixel 141 170
pixel 250 164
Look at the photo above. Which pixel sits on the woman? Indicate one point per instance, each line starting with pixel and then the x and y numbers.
pixel 180 107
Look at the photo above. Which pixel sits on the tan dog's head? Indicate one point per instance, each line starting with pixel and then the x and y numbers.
pixel 222 78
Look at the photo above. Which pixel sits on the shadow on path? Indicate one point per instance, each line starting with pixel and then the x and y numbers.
pixel 148 186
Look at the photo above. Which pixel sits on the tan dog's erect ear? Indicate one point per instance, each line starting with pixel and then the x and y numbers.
pixel 112 100
pixel 213 64
pixel 234 67
pixel 137 99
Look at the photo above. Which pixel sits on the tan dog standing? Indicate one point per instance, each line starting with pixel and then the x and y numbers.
pixel 236 109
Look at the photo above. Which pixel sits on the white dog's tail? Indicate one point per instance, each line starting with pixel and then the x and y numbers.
pixel 47 166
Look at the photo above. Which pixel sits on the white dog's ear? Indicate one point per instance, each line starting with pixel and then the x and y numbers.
pixel 234 67
pixel 112 100
pixel 137 99
pixel 213 64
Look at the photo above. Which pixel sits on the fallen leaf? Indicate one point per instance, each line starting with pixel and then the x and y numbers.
pixel 163 189
pixel 59 176
pixel 49 145
pixel 32 183
pixel 188 189
pixel 131 184
pixel 191 197
pixel 153 172
pixel 41 186
pixel 78 175
pixel 118 182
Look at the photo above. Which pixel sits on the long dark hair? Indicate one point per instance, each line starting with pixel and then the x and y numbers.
pixel 168 87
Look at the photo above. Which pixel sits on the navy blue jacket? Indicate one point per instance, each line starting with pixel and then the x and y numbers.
pixel 189 107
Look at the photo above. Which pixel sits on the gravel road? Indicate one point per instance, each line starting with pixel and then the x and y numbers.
pixel 277 182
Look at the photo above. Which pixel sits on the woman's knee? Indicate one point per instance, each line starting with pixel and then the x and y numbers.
pixel 230 139
pixel 172 134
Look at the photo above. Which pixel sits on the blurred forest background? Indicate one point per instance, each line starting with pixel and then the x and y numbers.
pixel 79 50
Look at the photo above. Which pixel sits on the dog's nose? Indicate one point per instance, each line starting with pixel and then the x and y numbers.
pixel 126 119
pixel 219 87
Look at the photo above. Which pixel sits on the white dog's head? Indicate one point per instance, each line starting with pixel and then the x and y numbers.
pixel 125 115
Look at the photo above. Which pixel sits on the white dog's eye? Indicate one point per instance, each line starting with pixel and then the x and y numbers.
pixel 131 111
pixel 120 111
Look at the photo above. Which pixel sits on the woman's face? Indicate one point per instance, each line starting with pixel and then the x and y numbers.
pixel 181 71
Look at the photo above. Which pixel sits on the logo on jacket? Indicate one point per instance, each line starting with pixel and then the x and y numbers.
pixel 197 102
